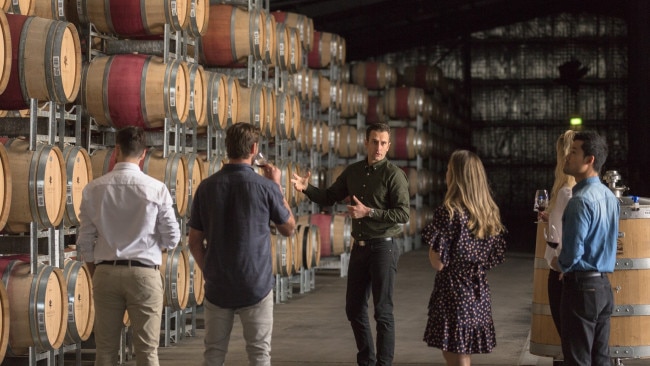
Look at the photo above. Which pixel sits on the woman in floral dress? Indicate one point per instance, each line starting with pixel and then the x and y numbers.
pixel 465 240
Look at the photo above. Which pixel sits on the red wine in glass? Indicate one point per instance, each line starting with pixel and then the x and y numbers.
pixel 260 160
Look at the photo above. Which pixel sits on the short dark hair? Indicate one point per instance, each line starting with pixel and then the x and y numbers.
pixel 593 145
pixel 131 141
pixel 381 127
pixel 240 138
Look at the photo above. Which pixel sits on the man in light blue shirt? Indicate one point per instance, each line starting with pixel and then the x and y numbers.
pixel 590 230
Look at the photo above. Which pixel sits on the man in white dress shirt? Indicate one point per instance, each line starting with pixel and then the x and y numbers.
pixel 126 221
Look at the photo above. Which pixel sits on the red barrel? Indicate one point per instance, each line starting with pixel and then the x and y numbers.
pixel 130 18
pixel 321 54
pixel 335 233
pixel 136 90
pixel 404 102
pixel 374 75
pixel 233 34
pixel 45 62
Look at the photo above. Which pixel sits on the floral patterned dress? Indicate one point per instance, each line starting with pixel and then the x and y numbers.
pixel 460 310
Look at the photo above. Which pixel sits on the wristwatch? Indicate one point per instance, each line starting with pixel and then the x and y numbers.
pixel 371 213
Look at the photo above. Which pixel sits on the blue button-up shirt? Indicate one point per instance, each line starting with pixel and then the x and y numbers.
pixel 590 228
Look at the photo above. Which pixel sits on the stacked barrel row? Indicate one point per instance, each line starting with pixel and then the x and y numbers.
pixel 44 309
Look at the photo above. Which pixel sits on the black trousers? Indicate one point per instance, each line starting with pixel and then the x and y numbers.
pixel 372 268
pixel 555 297
pixel 587 305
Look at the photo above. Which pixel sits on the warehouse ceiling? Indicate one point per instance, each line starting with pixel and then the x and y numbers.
pixel 376 27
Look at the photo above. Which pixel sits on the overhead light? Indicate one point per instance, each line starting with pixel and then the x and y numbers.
pixel 575 121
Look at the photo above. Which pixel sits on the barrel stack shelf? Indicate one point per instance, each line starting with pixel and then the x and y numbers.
pixel 40 244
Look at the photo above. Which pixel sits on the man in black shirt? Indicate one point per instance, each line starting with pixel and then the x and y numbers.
pixel 379 203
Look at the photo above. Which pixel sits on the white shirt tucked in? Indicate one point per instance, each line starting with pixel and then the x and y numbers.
pixel 126 214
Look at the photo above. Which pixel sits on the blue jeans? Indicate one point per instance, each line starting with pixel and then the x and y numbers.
pixel 587 305
pixel 372 268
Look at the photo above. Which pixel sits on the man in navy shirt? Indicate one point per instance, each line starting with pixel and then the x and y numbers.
pixel 231 211
pixel 590 231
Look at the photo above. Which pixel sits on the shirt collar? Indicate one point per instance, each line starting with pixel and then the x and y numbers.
pixel 231 166
pixel 584 182
pixel 372 168
pixel 126 166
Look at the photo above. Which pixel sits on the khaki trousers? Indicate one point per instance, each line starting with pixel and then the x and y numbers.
pixel 137 290
pixel 257 323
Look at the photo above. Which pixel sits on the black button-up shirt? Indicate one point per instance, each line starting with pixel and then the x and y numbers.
pixel 382 186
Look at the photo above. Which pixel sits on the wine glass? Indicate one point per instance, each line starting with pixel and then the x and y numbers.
pixel 541 201
pixel 551 236
pixel 260 160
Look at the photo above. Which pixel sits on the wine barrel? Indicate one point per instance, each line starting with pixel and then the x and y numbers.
pixel 5 187
pixel 217 100
pixel 303 24
pixel 284 113
pixel 197 18
pixel 197 109
pixel 320 56
pixel 308 236
pixel 175 269
pixel 38 304
pixel 375 111
pixel 195 173
pixel 49 9
pixel 403 102
pixel 81 308
pixel 78 172
pixel 23 7
pixel 233 34
pixel 136 90
pixel 270 41
pixel 271 114
pixel 335 233
pixel 5 321
pixel 45 62
pixel 374 75
pixel 348 141
pixel 5 51
pixel 296 116
pixel 544 338
pixel 196 293
pixel 38 185
pixel 102 161
pixel 405 143
pixel 232 107
pixel 251 105
pixel 131 18
pixel 630 320
pixel 172 171
pixel 282 254
pixel 427 77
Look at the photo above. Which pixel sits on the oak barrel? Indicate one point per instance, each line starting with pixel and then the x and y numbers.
pixel 171 170
pixel 45 64
pixel 136 90
pixel 38 185
pixel 78 172
pixel 38 304
pixel 175 269
pixel 81 307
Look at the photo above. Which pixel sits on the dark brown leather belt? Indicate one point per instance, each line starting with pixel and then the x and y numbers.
pixel 126 262
pixel 363 243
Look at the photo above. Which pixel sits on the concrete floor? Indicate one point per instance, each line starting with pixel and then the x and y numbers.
pixel 311 328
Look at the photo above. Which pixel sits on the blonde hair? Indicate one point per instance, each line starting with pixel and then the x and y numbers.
pixel 467 188
pixel 562 148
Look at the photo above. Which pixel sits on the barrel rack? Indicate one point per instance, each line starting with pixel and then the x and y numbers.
pixel 56 116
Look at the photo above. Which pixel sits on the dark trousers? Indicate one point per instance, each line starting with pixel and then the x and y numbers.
pixel 587 305
pixel 372 268
pixel 555 297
